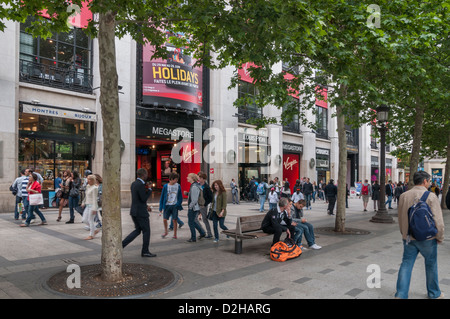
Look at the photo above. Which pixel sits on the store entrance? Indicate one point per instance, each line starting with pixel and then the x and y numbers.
pixel 155 156
pixel 246 173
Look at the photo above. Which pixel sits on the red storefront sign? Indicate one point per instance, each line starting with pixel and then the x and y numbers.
pixel 291 168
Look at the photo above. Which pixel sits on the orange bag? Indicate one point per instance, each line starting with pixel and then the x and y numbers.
pixel 282 251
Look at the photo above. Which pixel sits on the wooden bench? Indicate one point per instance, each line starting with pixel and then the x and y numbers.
pixel 247 227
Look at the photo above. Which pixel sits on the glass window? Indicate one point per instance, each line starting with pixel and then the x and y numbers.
pixel 44 163
pixel 64 59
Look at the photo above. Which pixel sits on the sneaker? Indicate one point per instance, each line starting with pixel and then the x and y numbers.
pixel 216 240
pixel 164 235
pixel 315 246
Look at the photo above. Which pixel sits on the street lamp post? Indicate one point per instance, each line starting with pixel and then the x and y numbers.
pixel 382 215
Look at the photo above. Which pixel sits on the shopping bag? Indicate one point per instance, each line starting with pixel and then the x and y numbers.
pixel 36 199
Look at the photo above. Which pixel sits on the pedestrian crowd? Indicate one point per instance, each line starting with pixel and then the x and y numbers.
pixel 82 195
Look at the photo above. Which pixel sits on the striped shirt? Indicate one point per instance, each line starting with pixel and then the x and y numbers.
pixel 24 186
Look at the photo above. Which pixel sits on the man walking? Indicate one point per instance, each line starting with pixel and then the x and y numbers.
pixel 389 193
pixel 330 193
pixel 139 213
pixel 427 248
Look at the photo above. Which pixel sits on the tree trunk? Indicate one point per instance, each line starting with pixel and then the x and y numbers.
pixel 417 141
pixel 111 260
pixel 446 176
pixel 342 174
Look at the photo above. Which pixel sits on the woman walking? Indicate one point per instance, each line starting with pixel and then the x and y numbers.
pixel 74 195
pixel 90 205
pixel 33 187
pixel 64 187
pixel 375 194
pixel 218 208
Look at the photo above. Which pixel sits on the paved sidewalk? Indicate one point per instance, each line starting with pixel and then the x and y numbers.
pixel 29 256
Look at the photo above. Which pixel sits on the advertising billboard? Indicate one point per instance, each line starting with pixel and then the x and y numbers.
pixel 172 81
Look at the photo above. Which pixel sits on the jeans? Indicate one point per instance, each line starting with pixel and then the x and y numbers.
pixel 308 200
pixel 221 221
pixel 16 211
pixel 428 249
pixel 26 206
pixel 192 215
pixel 389 201
pixel 262 200
pixel 273 205
pixel 32 209
pixel 235 197
pixel 73 202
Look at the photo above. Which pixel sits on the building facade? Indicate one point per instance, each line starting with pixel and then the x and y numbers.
pixel 174 118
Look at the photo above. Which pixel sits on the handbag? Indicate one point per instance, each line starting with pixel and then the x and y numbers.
pixel 79 209
pixel 210 214
pixel 36 199
pixel 74 192
pixel 59 193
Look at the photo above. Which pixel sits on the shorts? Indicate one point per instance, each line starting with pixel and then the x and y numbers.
pixel 170 210
pixel 365 198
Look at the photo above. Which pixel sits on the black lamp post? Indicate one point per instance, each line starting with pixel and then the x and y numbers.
pixel 382 215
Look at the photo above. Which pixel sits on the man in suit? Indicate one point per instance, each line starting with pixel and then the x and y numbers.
pixel 277 221
pixel 139 213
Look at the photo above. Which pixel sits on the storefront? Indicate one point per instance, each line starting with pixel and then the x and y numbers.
pixel 52 140
pixel 253 156
pixel 323 164
pixel 155 142
pixel 292 155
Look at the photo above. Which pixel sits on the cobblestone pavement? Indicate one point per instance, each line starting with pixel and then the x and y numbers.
pixel 30 256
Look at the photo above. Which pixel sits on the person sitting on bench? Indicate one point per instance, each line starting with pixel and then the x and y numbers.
pixel 277 221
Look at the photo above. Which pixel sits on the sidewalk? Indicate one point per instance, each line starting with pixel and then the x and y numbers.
pixel 29 256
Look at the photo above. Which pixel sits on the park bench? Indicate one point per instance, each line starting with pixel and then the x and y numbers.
pixel 247 227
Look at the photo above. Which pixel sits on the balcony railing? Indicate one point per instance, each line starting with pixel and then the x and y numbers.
pixel 293 127
pixel 322 133
pixel 48 75
pixel 246 114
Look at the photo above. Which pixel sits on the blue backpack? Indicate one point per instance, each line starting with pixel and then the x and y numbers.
pixel 421 222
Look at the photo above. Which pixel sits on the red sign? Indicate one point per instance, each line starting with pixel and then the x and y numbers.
pixel 324 92
pixel 211 170
pixel 291 168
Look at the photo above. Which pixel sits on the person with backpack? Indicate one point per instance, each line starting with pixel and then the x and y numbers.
pixel 366 193
pixel 207 194
pixel 170 203
pixel 419 197
pixel 262 193
pixel 195 198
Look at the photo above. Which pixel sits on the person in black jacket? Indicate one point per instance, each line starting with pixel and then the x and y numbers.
pixel 277 221
pixel 308 189
pixel 330 193
pixel 139 213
